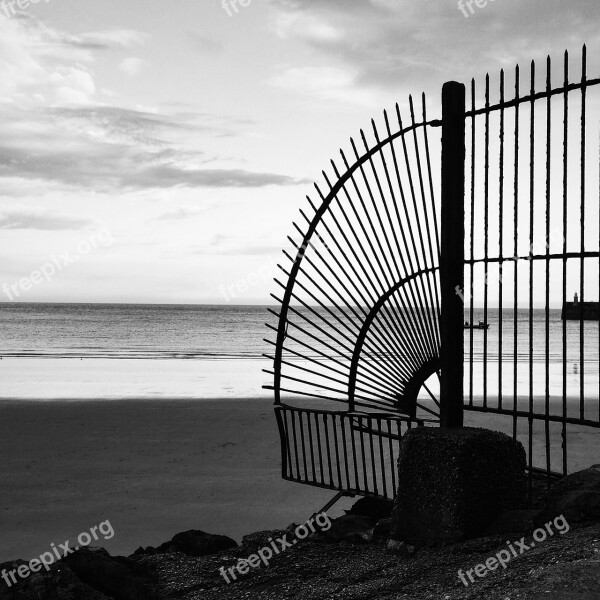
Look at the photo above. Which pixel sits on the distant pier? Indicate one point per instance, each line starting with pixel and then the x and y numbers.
pixel 575 311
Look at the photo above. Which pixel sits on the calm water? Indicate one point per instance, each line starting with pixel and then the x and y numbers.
pixel 216 351
pixel 132 331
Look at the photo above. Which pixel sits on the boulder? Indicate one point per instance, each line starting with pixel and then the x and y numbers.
pixel 59 583
pixel 117 577
pixel 196 543
pixel 350 528
pixel 376 508
pixel 576 497
pixel 383 529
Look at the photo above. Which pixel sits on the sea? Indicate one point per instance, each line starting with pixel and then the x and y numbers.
pixel 120 351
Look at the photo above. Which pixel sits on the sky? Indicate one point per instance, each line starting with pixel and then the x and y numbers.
pixel 155 151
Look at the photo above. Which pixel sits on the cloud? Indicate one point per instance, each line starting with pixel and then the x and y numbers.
pixel 225 245
pixel 181 213
pixel 54 131
pixel 206 45
pixel 391 44
pixel 107 40
pixel 326 83
pixel 43 220
pixel 131 65
pixel 108 148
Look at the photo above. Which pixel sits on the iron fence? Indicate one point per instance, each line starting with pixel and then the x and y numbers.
pixel 368 327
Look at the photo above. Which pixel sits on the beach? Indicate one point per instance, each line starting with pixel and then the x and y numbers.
pixel 162 433
pixel 152 468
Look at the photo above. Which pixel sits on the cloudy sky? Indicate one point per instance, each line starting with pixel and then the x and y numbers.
pixel 164 147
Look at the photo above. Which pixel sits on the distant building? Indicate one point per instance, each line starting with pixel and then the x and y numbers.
pixel 575 311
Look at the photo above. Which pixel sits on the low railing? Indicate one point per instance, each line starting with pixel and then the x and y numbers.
pixel 354 453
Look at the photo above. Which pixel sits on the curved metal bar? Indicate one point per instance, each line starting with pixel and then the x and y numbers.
pixel 310 232
pixel 362 335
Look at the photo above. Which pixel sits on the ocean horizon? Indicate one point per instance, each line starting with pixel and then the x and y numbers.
pixel 112 351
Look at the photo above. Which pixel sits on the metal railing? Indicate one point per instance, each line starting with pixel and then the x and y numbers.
pixel 352 453
pixel 532 239
pixel 373 305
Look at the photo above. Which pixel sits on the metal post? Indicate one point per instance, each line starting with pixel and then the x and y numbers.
pixel 452 254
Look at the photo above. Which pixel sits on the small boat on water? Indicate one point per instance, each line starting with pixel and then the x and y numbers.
pixel 480 325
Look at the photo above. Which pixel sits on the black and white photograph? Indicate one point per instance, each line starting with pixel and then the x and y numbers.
pixel 299 299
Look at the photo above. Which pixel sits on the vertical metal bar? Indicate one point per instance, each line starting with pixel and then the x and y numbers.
pixel 564 257
pixel 381 457
pixel 337 452
pixel 531 215
pixel 501 239
pixel 282 439
pixel 304 464
pixel 319 448
pixel 516 254
pixel 547 299
pixel 372 450
pixel 471 241
pixel 325 424
pixel 582 220
pixel 392 461
pixel 363 455
pixel 353 435
pixel 293 413
pixel 452 258
pixel 312 448
pixel 486 204
pixel 346 449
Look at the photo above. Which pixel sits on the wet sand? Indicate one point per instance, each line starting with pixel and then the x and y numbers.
pixel 153 468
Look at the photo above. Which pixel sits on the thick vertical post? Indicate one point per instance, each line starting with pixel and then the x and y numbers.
pixel 452 254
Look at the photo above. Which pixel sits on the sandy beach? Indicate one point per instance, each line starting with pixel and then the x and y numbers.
pixel 154 468
pixel 151 467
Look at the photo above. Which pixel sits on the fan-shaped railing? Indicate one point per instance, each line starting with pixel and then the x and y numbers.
pixel 361 340
pixel 357 351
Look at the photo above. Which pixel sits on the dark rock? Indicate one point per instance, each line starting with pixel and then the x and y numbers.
pixel 576 497
pixel 118 577
pixel 400 548
pixel 196 543
pixel 376 508
pixel 141 551
pixel 383 529
pixel 59 583
pixel 253 542
pixel 513 522
pixel 454 483
pixel 350 528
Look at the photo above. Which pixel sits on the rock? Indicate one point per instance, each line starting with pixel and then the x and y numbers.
pixel 117 577
pixel 513 522
pixel 401 548
pixel 376 508
pixel 261 539
pixel 576 497
pixel 196 543
pixel 383 529
pixel 350 528
pixel 147 551
pixel 454 482
pixel 59 583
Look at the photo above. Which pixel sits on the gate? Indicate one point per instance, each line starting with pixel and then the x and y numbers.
pixel 369 335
